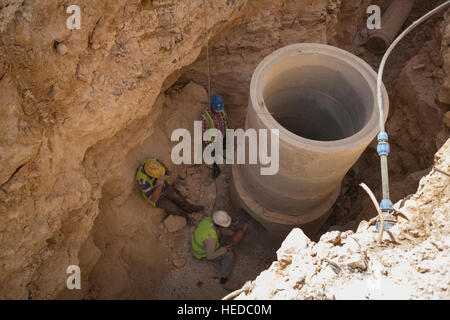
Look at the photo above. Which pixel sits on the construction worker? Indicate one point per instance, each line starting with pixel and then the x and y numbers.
pixel 155 188
pixel 205 242
pixel 214 117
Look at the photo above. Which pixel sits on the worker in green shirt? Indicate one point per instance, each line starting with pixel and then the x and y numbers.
pixel 205 242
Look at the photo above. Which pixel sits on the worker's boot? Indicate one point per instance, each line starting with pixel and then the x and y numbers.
pixel 189 221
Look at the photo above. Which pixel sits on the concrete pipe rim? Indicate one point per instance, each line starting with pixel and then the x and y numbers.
pixel 369 130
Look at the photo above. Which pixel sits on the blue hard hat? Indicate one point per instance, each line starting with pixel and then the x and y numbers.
pixel 217 102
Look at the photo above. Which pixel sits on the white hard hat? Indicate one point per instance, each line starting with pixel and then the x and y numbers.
pixel 221 218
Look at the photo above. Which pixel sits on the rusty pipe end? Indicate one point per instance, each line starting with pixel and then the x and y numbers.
pixel 378 42
pixel 391 23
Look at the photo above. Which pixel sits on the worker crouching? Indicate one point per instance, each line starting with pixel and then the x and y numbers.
pixel 155 188
pixel 205 243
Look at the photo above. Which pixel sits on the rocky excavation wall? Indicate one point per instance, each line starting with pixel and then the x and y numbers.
pixel 74 105
pixel 66 96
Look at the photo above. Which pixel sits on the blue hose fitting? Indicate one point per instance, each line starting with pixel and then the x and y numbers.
pixel 383 136
pixel 389 220
pixel 383 148
pixel 386 205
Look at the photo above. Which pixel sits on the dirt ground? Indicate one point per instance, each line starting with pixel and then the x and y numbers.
pixel 153 275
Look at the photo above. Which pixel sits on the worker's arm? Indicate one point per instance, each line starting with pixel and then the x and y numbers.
pixel 210 248
pixel 144 185
pixel 159 187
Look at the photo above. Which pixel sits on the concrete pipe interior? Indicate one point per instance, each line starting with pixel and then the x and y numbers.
pixel 324 102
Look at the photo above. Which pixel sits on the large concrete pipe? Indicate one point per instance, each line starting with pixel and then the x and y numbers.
pixel 323 101
pixel 391 22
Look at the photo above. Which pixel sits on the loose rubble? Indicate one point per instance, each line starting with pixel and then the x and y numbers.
pixel 412 262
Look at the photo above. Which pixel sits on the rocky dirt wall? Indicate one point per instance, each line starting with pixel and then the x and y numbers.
pixel 65 91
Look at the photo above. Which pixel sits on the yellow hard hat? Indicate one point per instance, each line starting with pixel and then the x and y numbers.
pixel 154 169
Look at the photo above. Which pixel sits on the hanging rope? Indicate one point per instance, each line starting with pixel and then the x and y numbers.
pixel 214 207
pixel 207 51
pixel 383 148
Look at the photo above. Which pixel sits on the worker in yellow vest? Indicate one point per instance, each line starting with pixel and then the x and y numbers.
pixel 205 242
pixel 156 189
pixel 215 117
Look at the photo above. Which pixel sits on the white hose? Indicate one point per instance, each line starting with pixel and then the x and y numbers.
pixel 388 52
pixel 383 157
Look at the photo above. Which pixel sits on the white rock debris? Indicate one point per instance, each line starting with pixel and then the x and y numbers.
pixel 412 262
